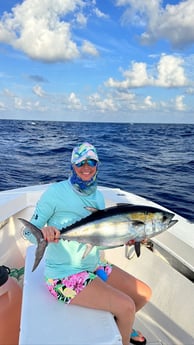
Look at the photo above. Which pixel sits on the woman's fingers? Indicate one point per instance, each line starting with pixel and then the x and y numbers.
pixel 51 234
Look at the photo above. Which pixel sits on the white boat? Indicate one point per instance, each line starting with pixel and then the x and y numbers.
pixel 168 319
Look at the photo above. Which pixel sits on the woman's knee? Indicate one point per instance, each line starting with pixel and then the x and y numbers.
pixel 143 297
pixel 126 306
pixel 147 292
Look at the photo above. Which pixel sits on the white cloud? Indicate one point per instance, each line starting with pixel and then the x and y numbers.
pixel 102 104
pixel 89 48
pixel 149 103
pixel 174 22
pixel 138 12
pixel 124 96
pixel 100 14
pixel 135 76
pixel 73 102
pixel 2 106
pixel 179 105
pixel 170 73
pixel 18 102
pixel 37 89
pixel 38 28
pixel 28 105
pixel 8 93
pixel 81 19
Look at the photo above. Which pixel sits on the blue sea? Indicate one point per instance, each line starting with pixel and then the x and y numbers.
pixel 153 160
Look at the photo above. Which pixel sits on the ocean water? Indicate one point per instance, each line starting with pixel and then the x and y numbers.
pixel 153 160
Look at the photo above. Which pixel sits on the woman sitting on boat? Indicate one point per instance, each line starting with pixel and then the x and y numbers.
pixel 87 282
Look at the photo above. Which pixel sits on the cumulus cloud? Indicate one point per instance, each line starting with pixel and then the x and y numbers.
pixel 179 104
pixel 28 105
pixel 135 76
pixel 102 104
pixel 174 22
pixel 19 104
pixel 2 106
pixel 149 103
pixel 124 96
pixel 37 89
pixel 38 28
pixel 73 102
pixel 81 19
pixel 138 12
pixel 170 73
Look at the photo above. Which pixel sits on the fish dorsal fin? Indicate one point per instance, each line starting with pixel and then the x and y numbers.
pixel 93 209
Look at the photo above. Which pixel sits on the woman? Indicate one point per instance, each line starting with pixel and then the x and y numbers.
pixel 86 282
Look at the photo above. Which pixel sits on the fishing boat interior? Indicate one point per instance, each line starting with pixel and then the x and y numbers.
pixel 166 264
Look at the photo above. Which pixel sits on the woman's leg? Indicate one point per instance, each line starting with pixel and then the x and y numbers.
pixel 131 286
pixel 100 295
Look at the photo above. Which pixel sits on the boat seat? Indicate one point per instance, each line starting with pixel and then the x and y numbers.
pixel 47 321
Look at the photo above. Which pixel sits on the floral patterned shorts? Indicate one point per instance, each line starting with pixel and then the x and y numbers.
pixel 65 289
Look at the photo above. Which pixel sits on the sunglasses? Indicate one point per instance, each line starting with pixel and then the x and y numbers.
pixel 90 162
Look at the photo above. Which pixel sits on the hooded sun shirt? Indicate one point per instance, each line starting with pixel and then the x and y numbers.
pixel 79 154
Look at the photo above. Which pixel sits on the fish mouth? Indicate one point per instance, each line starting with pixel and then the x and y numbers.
pixel 172 222
pixel 168 219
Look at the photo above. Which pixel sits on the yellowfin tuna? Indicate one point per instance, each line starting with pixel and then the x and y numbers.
pixel 111 227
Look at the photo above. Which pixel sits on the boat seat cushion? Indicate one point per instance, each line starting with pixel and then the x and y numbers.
pixel 46 321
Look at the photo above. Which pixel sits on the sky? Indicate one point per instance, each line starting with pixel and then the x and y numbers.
pixel 97 60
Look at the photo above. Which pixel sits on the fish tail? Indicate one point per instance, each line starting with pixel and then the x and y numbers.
pixel 41 243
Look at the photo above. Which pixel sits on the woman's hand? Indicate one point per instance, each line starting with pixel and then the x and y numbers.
pixel 51 234
pixel 131 242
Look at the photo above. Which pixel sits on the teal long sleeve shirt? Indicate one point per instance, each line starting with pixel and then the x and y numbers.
pixel 60 206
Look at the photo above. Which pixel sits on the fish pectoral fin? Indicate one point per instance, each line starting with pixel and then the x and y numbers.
pixel 137 222
pixel 87 250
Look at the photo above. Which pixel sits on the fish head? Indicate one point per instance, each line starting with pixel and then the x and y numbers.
pixel 162 221
pixel 153 228
pixel 154 221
